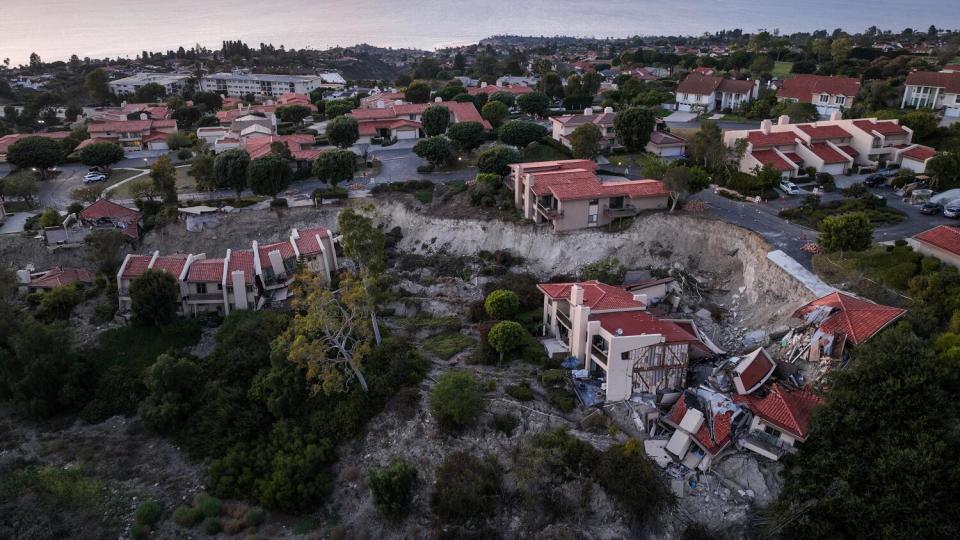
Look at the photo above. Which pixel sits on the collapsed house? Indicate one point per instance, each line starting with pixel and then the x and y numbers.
pixel 617 347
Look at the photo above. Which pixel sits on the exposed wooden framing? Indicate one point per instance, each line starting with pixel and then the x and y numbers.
pixel 659 367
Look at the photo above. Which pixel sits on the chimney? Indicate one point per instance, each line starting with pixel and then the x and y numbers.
pixel 143 116
pixel 23 277
pixel 836 115
pixel 576 295
pixel 588 111
pixel 276 262
pixel 783 120
pixel 765 127
pixel 608 110
pixel 123 103
pixel 381 105
pixel 398 102
pixel 641 298
pixel 483 85
pixel 237 279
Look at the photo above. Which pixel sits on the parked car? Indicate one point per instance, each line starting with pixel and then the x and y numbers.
pixel 952 211
pixel 890 173
pixel 90 178
pixel 790 188
pixel 931 208
pixel 874 180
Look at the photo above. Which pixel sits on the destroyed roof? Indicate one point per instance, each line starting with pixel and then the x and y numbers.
pixel 596 295
pixel 857 318
pixel 59 276
pixel 754 369
pixel 721 419
pixel 789 410
pixel 648 283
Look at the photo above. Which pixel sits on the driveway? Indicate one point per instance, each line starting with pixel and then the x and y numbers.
pixel 681 117
pixel 55 192
pixel 14 223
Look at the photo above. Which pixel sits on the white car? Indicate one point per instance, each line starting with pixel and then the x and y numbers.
pixel 952 210
pixel 90 178
pixel 790 188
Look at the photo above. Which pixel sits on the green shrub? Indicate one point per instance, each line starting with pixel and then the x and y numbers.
pixel 562 399
pixel 628 476
pixel 186 516
pixel 211 526
pixel 456 401
pixel 209 506
pixel 520 392
pixel 304 526
pixel 392 488
pixel 447 345
pixel 554 377
pixel 148 512
pixel 468 489
pixel 254 517
pixel 139 531
pixel 505 423
pixel 502 304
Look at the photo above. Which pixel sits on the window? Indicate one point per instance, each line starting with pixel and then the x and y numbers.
pixel 592 218
pixel 841 100
pixel 594 201
pixel 616 202
pixel 201 288
pixel 771 431
pixel 684 97
pixel 824 98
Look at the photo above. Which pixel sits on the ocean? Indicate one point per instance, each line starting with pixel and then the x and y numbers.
pixel 55 29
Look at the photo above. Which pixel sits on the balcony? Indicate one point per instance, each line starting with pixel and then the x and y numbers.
pixel 626 210
pixel 599 354
pixel 564 320
pixel 549 213
pixel 767 445
pixel 205 297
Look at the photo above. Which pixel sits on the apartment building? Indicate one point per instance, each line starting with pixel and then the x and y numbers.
pixel 827 94
pixel 616 341
pixel 133 135
pixel 704 93
pixel 834 146
pixel 939 91
pixel 562 127
pixel 172 83
pixel 242 279
pixel 238 84
pixel 569 195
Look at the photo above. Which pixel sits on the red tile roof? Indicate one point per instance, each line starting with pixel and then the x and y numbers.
pixel 307 244
pixel 206 271
pixel 595 189
pixel 919 153
pixel 59 276
pixel 737 86
pixel 285 248
pixel 722 426
pixel 639 323
pixel 883 127
pixel 824 132
pixel 130 126
pixel 493 89
pixel 372 127
pixel 950 82
pixel 769 157
pixel 136 266
pixel 942 236
pixel 660 138
pixel 241 260
pixel 171 263
pixel 461 112
pixel 259 147
pixel 104 209
pixel 696 83
pixel 827 154
pixel 848 150
pixel 790 410
pixel 760 139
pixel 858 319
pixel 596 295
pixel 792 156
pixel 804 87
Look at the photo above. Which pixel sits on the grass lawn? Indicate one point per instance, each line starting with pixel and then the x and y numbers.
pixel 878 273
pixel 12 207
pixel 185 183
pixel 735 118
pixel 782 69
pixel 137 347
pixel 811 217
pixel 425 196
pixel 542 152
pixel 447 345
pixel 662 113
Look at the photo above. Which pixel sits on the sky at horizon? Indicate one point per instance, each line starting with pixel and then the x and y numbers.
pixel 55 29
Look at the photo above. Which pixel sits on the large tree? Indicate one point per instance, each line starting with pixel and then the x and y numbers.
pixel 633 127
pixel 520 134
pixel 39 153
pixel 154 298
pixel 335 166
pixel 585 141
pixel 435 120
pixel 945 168
pixel 417 92
pixel 534 103
pixel 150 93
pixel 494 112
pixel 102 154
pixel 551 84
pixel 362 241
pixel 466 136
pixel 164 177
pixel 22 186
pixel 846 232
pixel 497 160
pixel 95 83
pixel 343 131
pixel 202 170
pixel 269 175
pixel 230 170
pixel 293 113
pixel 336 108
pixel 436 150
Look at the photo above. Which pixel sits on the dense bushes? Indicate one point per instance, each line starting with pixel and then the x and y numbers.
pixel 456 401
pixel 468 489
pixel 392 488
pixel 628 476
pixel 502 304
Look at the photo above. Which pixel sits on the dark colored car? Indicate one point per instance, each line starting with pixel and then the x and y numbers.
pixel 874 180
pixel 931 208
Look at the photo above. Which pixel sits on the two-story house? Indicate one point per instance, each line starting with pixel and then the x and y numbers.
pixel 827 94
pixel 609 331
pixel 204 287
pixel 134 135
pixel 402 120
pixel 569 195
pixel 135 266
pixel 835 146
pixel 933 90
pixel 781 420
pixel 703 93
pixel 564 126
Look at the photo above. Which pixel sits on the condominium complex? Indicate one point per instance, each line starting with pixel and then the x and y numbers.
pixel 173 83
pixel 258 84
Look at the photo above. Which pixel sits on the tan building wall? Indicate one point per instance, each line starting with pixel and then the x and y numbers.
pixel 933 251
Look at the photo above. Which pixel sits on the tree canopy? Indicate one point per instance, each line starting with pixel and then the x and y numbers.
pixel 520 134
pixel 417 92
pixel 466 136
pixel 102 154
pixel 846 232
pixel 343 131
pixel 633 127
pixel 585 141
pixel 497 160
pixel 335 166
pixel 436 150
pixel 494 112
pixel 362 241
pixel 154 298
pixel 435 120
pixel 534 103
pixel 41 153
pixel 230 170
pixel 269 175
